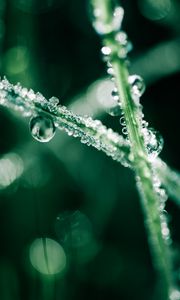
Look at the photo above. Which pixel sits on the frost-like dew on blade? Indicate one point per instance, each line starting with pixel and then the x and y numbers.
pixel 49 114
pixel 154 142
pixel 53 104
pixel 114 110
pixel 42 128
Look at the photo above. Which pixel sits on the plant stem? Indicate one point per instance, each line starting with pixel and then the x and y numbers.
pixel 150 200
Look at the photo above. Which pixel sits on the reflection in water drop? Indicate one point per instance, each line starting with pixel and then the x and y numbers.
pixel 137 85
pixel 42 128
pixel 47 256
pixel 124 43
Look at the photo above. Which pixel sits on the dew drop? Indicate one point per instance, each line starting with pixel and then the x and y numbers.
pixel 115 95
pixel 110 71
pixel 103 25
pixel 124 130
pixel 122 121
pixel 117 18
pixel 154 142
pixel 137 85
pixel 114 111
pixel 53 104
pixel 106 50
pixel 42 128
pixel 125 45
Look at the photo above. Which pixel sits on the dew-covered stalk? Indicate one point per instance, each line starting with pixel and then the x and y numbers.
pixel 107 22
pixel 47 115
pixel 92 132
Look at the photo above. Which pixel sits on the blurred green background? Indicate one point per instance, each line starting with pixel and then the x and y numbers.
pixel 71 225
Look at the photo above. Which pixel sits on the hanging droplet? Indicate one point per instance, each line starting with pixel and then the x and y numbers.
pixel 154 142
pixel 124 130
pixel 122 121
pixel 115 110
pixel 102 24
pixel 106 52
pixel 137 85
pixel 42 128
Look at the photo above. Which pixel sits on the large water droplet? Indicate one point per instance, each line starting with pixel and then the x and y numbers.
pixel 42 128
pixel 154 142
pixel 103 25
pixel 137 85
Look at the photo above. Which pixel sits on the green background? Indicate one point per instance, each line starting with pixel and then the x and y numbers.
pixel 51 47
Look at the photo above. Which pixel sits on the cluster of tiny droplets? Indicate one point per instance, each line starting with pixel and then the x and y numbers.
pixel 153 140
pixel 123 47
pixel 47 115
pixel 163 213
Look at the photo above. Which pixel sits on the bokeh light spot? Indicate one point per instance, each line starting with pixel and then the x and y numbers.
pixel 47 256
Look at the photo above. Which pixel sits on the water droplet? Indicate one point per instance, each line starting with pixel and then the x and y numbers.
pixel 115 95
pixel 103 25
pixel 137 85
pixel 31 95
pixel 24 92
pixel 106 52
pixel 42 128
pixel 154 142
pixel 124 131
pixel 39 98
pixel 53 104
pixel 114 111
pixel 125 44
pixel 122 121
pixel 175 295
pixel 110 71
